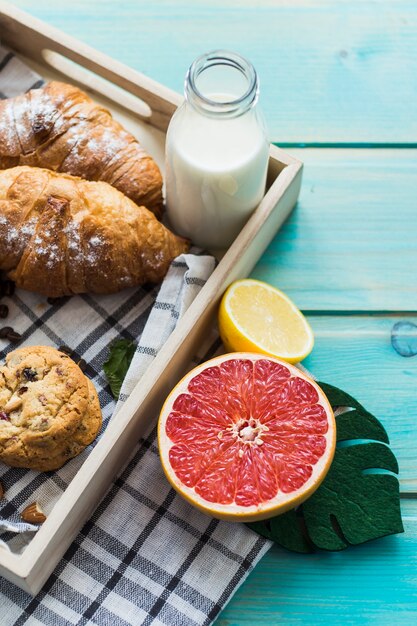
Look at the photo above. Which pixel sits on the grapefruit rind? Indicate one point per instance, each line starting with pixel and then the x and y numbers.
pixel 236 338
pixel 282 502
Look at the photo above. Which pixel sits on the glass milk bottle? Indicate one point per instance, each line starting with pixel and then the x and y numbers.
pixel 216 152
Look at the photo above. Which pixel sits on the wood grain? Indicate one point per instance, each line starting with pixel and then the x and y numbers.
pixel 373 584
pixel 351 243
pixel 355 354
pixel 330 71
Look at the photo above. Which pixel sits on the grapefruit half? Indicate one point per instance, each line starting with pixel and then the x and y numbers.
pixel 244 437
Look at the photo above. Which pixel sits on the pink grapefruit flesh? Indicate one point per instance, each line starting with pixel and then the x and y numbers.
pixel 245 437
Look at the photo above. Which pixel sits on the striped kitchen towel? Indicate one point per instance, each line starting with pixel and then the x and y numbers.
pixel 145 556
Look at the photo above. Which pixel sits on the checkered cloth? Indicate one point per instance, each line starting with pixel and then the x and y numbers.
pixel 146 556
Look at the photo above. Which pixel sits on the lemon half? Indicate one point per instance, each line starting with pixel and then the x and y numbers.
pixel 256 317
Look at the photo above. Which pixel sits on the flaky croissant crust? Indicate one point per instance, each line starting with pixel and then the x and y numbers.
pixel 61 128
pixel 62 235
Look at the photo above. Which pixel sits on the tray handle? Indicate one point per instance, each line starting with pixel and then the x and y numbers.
pixel 93 82
pixel 45 44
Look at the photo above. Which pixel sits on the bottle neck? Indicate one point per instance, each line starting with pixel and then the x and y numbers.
pixel 221 84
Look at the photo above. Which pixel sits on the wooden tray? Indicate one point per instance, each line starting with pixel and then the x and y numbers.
pixel 145 107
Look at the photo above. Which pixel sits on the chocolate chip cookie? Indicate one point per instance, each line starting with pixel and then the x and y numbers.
pixel 49 411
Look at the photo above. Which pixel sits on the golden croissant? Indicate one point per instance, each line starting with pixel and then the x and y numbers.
pixel 62 235
pixel 60 128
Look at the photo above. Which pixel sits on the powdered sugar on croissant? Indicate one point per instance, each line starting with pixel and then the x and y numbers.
pixel 60 128
pixel 62 235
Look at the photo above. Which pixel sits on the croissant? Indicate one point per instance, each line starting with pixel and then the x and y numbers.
pixel 60 128
pixel 62 235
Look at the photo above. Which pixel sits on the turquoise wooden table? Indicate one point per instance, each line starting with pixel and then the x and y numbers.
pixel 339 87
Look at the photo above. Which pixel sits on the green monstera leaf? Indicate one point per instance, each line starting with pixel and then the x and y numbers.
pixel 359 498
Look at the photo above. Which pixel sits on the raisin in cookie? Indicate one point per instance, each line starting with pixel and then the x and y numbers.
pixel 86 433
pixel 49 410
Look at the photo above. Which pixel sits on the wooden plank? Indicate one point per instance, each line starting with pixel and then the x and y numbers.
pixel 351 243
pixel 331 70
pixel 355 354
pixel 370 584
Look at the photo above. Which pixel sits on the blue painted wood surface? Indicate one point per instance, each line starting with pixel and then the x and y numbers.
pixel 351 243
pixel 372 585
pixel 330 70
pixel 338 73
pixel 355 353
